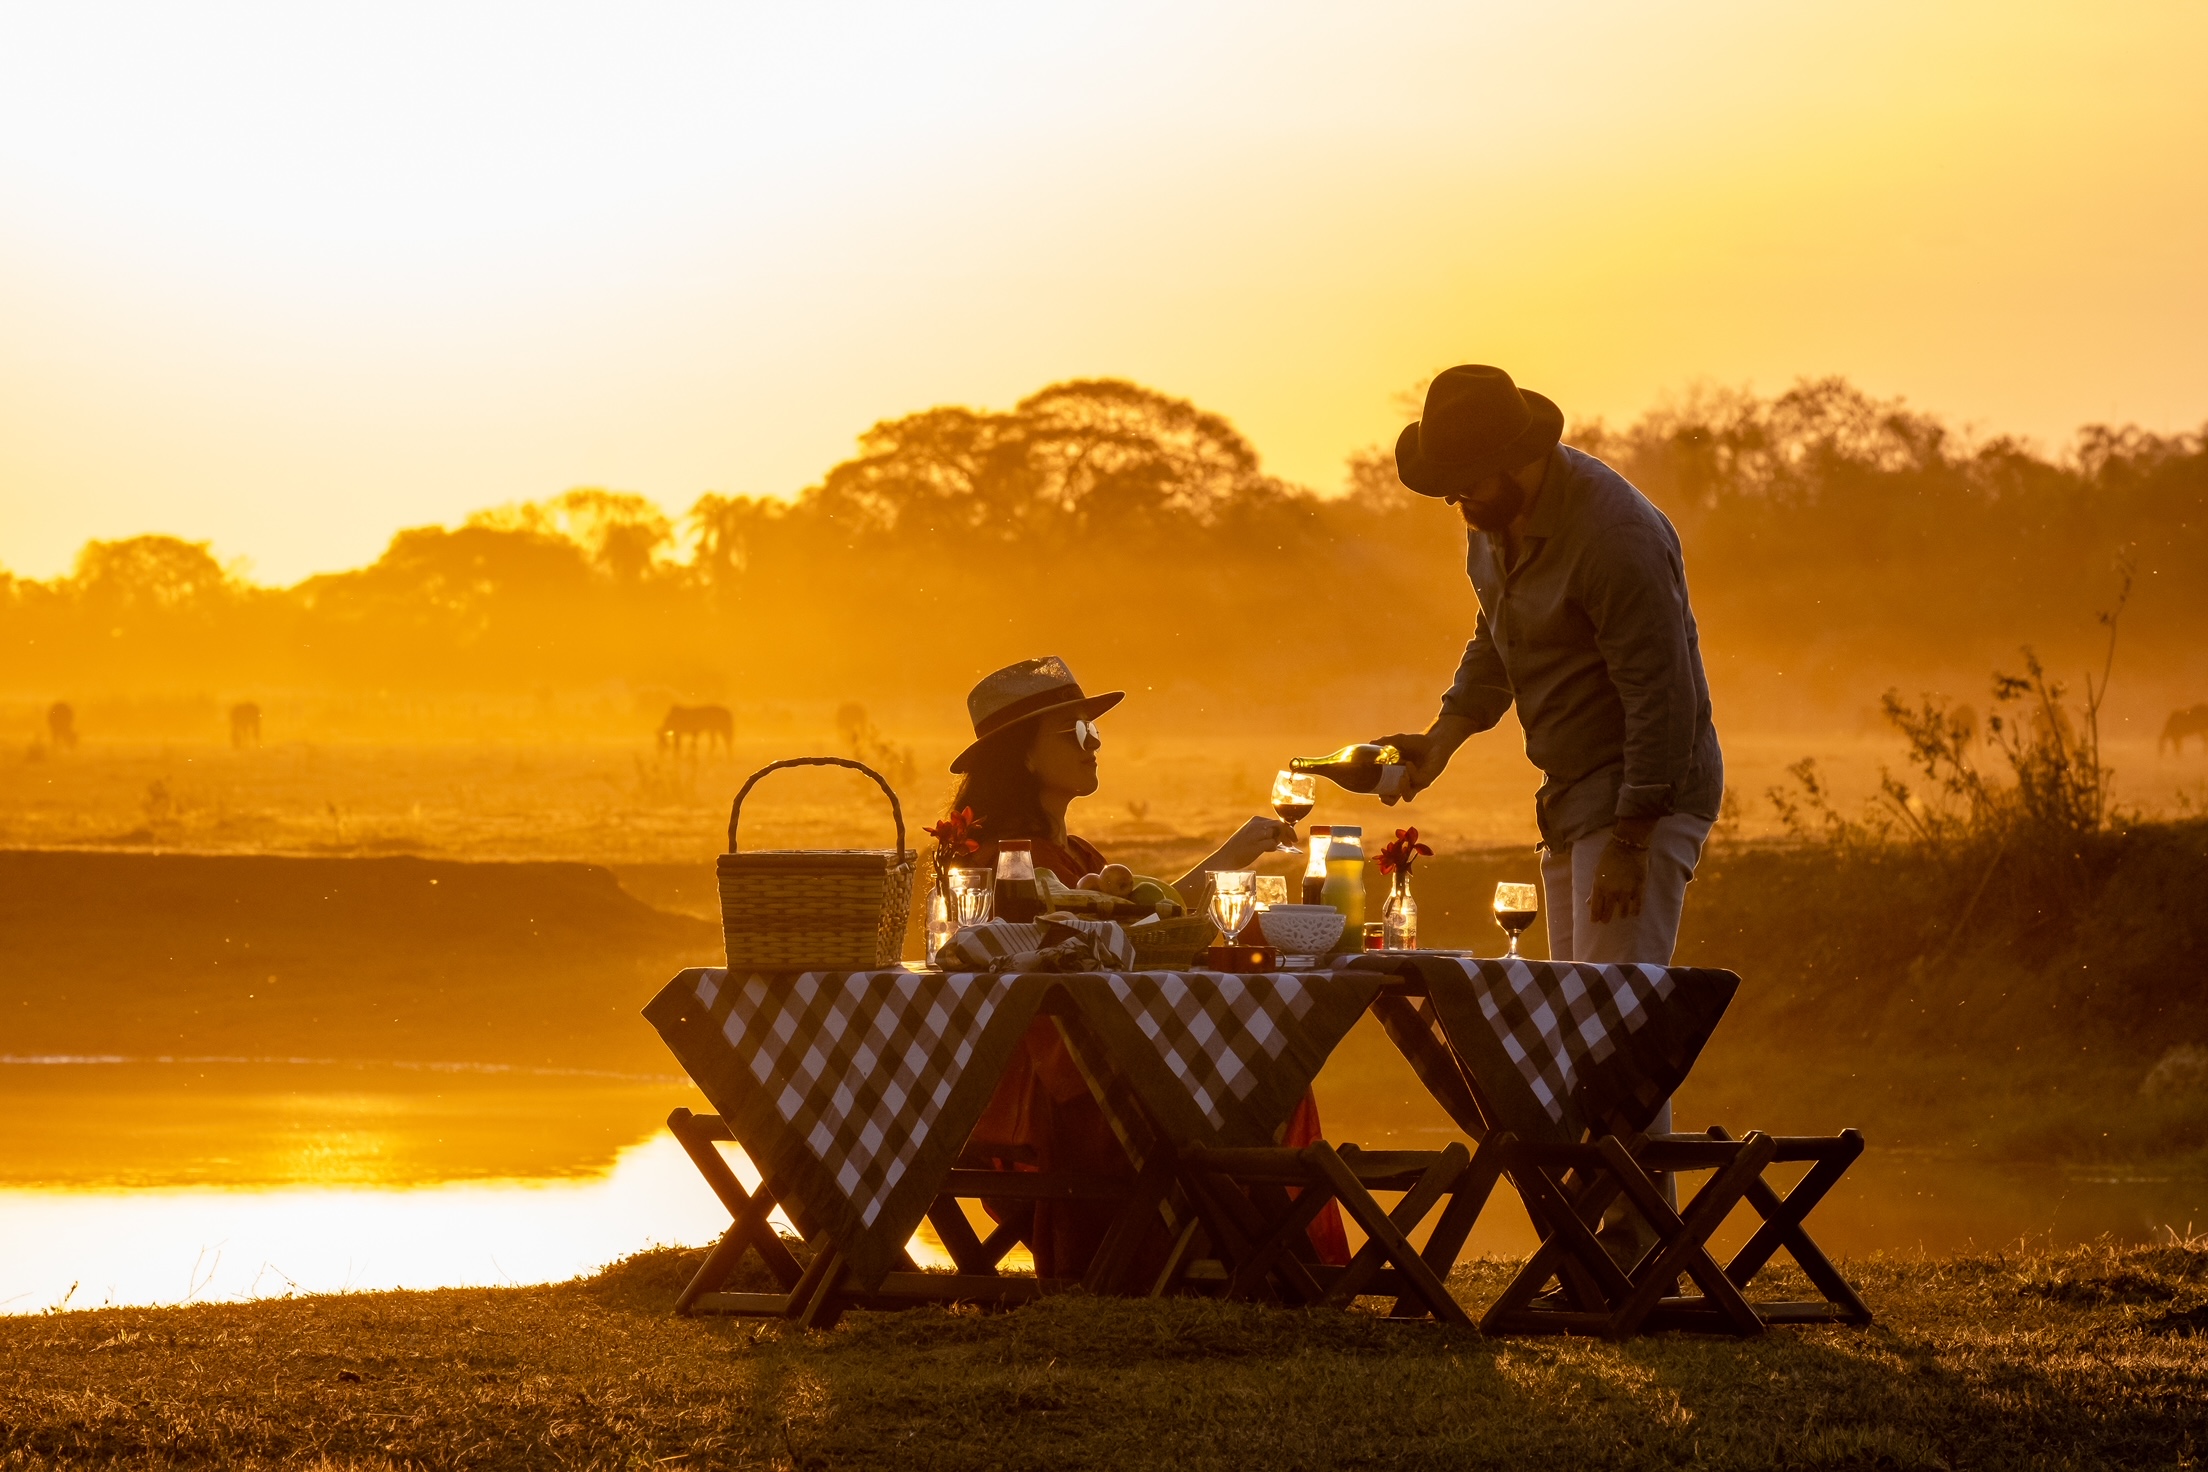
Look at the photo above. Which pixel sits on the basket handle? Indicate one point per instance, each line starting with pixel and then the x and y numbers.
pixel 896 809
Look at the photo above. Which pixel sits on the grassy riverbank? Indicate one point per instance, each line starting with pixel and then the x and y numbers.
pixel 2091 1358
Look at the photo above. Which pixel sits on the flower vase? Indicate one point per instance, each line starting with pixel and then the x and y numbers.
pixel 1400 915
pixel 940 927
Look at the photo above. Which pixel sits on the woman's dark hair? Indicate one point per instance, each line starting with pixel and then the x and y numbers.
pixel 1006 797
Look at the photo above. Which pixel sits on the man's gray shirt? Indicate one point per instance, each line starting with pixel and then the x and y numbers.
pixel 1591 636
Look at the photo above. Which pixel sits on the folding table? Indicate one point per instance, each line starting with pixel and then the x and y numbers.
pixel 1567 1063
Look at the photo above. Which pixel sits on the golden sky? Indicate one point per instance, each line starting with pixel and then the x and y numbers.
pixel 291 277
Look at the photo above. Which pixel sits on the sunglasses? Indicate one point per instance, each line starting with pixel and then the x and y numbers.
pixel 1084 734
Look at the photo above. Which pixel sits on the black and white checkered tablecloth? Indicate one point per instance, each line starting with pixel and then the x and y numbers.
pixel 1557 1048
pixel 853 1093
pixel 1240 1049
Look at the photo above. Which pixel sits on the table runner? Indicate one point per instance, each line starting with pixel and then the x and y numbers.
pixel 1559 1049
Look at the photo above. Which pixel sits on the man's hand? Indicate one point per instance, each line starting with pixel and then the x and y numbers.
pixel 1621 874
pixel 1426 753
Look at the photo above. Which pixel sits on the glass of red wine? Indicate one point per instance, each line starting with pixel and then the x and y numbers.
pixel 1517 906
pixel 1294 795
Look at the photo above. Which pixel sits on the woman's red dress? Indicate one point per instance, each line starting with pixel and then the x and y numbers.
pixel 1043 1117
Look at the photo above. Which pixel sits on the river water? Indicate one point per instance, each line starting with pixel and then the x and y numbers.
pixel 163 1181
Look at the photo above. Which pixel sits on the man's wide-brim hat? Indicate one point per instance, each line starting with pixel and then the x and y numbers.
pixel 1020 692
pixel 1476 422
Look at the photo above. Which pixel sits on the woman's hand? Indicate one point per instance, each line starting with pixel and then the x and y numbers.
pixel 1253 841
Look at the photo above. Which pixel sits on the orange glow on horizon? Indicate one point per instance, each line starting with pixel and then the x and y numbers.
pixel 291 281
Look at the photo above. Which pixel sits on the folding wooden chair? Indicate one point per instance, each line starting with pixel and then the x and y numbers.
pixel 1829 1157
pixel 1260 1229
pixel 814 1293
pixel 749 1228
pixel 1566 1189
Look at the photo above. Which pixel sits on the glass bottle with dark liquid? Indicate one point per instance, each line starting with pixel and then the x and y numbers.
pixel 1365 767
pixel 1019 897
pixel 1314 875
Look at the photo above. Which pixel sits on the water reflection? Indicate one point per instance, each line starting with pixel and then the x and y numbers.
pixel 259 1122
pixel 165 1245
pixel 151 1182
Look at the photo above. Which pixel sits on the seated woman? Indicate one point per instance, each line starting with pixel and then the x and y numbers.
pixel 1034 752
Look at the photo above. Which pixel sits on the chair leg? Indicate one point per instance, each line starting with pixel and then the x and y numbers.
pixel 1474 1187
pixel 1437 1181
pixel 958 1237
pixel 1680 1240
pixel 1782 1227
pixel 1355 1199
pixel 697 1134
pixel 1115 1255
pixel 813 1302
pixel 714 1271
pixel 1248 1240
pixel 1569 1250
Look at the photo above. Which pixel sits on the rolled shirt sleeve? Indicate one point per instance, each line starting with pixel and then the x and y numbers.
pixel 1481 691
pixel 1634 593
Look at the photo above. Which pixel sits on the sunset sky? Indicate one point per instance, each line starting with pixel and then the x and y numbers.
pixel 291 277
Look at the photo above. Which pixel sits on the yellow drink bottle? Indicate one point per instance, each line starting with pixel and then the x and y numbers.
pixel 1345 878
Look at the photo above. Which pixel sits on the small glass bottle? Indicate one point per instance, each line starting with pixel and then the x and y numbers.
pixel 1314 873
pixel 1400 915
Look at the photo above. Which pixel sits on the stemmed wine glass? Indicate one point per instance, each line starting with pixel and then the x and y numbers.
pixel 1233 892
pixel 1294 795
pixel 1516 907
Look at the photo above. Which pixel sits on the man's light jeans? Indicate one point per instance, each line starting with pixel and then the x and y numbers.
pixel 1568 878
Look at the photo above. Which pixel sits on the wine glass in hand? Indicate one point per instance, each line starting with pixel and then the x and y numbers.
pixel 1516 907
pixel 1294 795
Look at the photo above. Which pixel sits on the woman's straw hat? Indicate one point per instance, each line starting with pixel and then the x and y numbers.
pixel 1033 687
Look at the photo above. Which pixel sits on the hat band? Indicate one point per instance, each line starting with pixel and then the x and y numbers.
pixel 1024 707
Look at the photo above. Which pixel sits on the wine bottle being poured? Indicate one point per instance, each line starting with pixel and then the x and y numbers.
pixel 1366 767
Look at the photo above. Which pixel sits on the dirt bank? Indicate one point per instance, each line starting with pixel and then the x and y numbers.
pixel 375 958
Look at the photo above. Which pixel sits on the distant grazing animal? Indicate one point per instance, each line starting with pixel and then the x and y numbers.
pixel 61 726
pixel 245 725
pixel 693 723
pixel 2192 721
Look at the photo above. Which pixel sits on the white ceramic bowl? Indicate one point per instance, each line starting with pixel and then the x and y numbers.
pixel 1302 930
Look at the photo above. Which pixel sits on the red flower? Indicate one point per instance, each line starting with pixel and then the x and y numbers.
pixel 954 837
pixel 1398 856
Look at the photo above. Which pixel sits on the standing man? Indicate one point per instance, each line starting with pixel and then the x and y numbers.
pixel 1584 626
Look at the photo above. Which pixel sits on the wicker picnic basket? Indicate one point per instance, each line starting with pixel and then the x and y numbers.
pixel 815 909
pixel 1172 945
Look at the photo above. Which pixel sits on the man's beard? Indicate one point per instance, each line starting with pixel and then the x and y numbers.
pixel 1497 512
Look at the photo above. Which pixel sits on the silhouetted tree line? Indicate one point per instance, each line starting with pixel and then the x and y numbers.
pixel 1136 533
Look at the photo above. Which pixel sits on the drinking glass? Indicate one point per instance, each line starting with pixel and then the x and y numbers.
pixel 1516 907
pixel 1233 891
pixel 1294 795
pixel 1272 889
pixel 973 896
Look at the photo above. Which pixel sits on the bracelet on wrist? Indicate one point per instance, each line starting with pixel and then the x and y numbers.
pixel 1628 844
